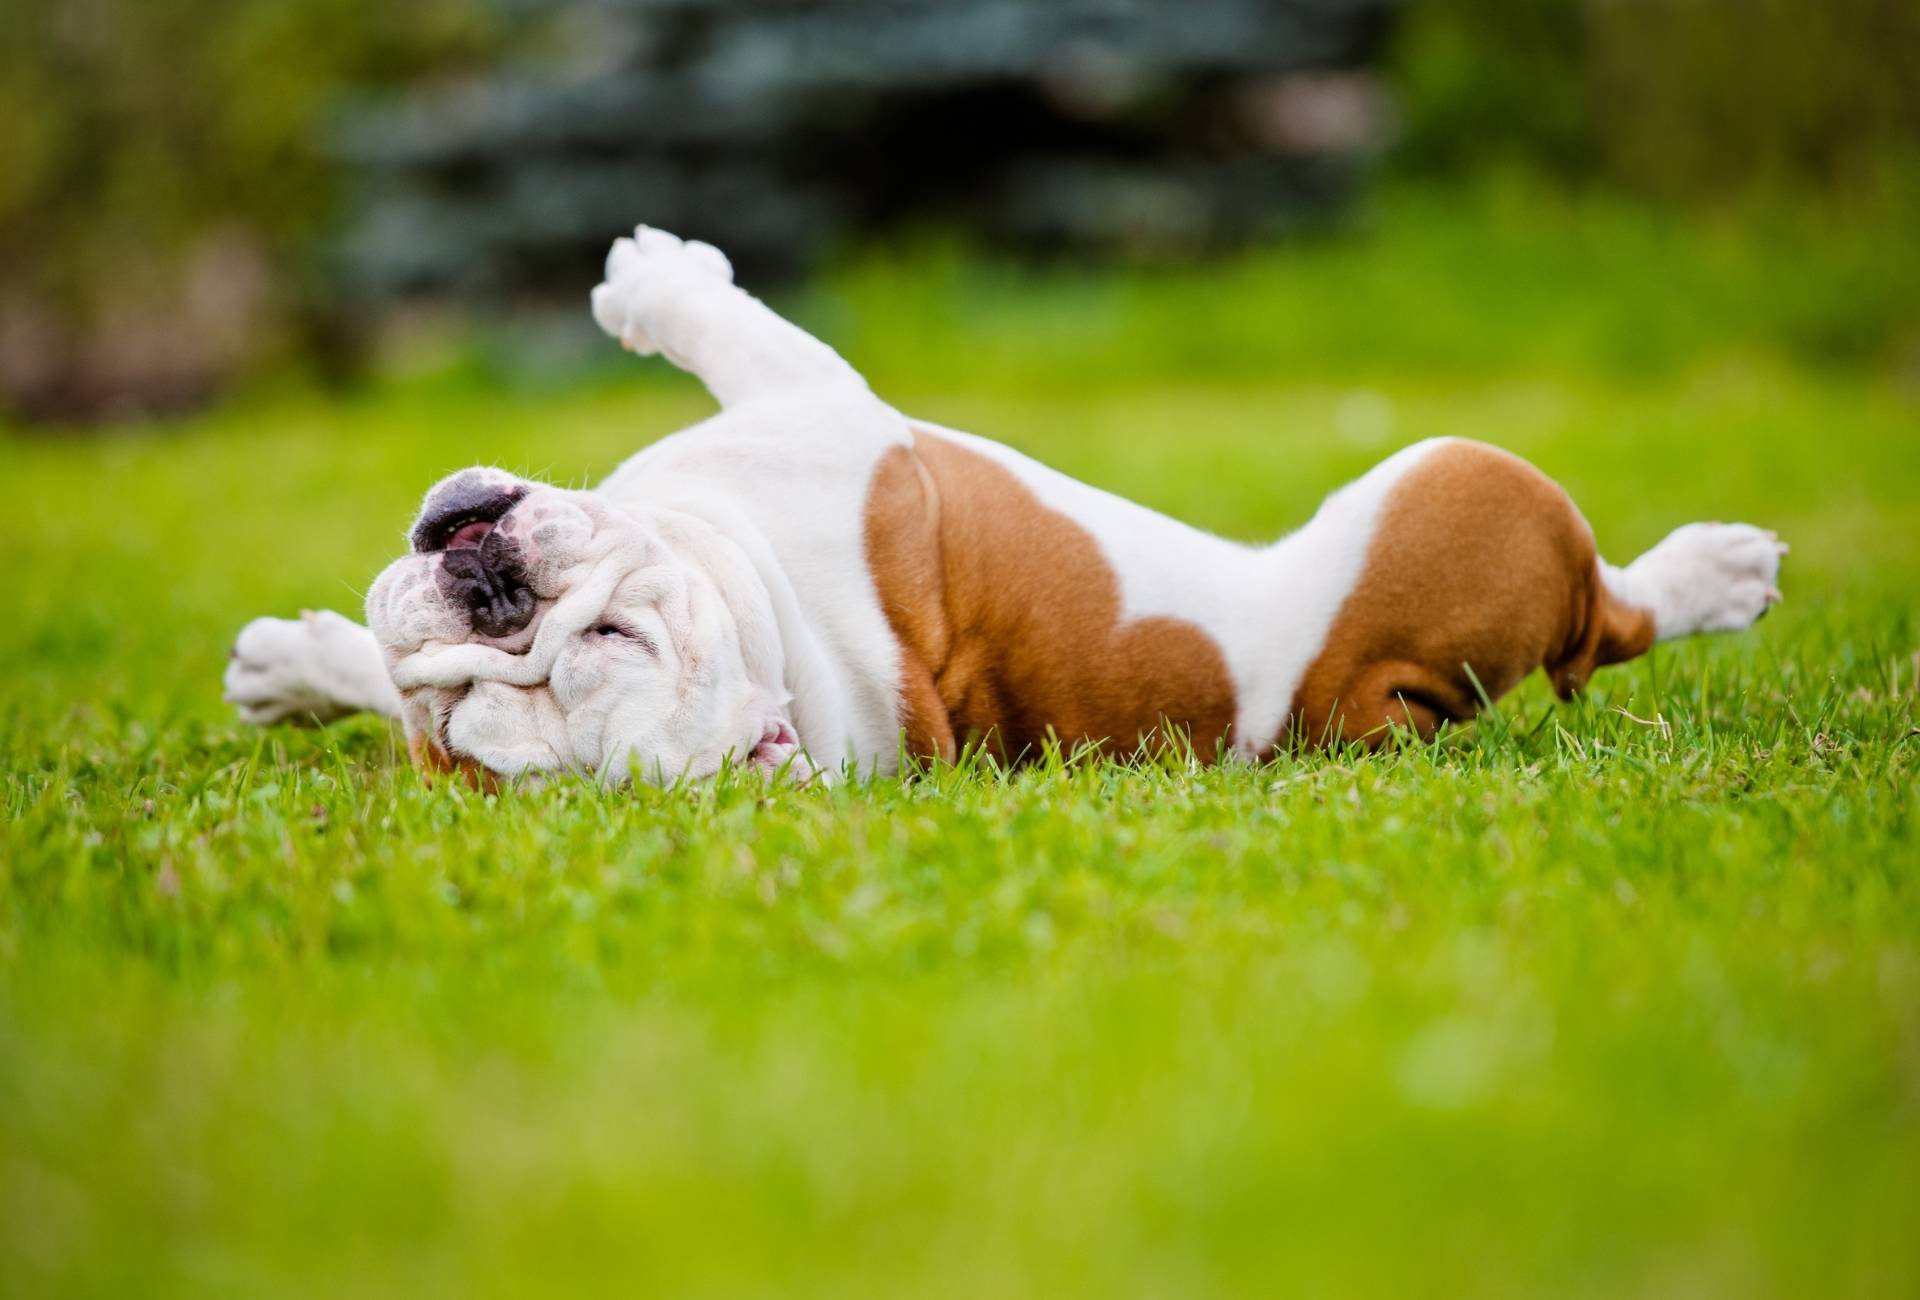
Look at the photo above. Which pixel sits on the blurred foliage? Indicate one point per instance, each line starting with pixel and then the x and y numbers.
pixel 781 131
pixel 1681 99
pixel 1448 282
pixel 168 183
pixel 148 120
pixel 165 178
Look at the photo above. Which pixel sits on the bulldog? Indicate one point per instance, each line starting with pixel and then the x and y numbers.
pixel 812 582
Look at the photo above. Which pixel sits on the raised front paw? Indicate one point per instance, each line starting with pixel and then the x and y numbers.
pixel 304 670
pixel 645 271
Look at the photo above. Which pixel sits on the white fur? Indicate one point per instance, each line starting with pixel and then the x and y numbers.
pixel 1269 608
pixel 1703 578
pixel 739 544
pixel 662 294
pixel 317 667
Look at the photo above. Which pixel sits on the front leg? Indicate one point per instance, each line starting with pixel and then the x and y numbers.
pixel 675 297
pixel 315 668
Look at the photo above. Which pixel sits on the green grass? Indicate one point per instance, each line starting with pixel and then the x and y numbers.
pixel 1571 1004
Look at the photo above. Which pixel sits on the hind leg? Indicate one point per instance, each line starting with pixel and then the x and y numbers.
pixel 1703 578
pixel 1480 570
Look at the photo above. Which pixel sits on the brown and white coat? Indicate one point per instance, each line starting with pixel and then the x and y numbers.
pixel 812 579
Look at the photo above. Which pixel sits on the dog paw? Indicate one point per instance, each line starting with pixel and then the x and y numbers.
pixel 310 669
pixel 1709 578
pixel 642 271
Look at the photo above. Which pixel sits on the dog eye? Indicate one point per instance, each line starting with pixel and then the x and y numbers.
pixel 625 633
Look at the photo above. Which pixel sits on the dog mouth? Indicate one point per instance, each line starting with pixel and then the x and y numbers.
pixel 463 521
pixel 777 750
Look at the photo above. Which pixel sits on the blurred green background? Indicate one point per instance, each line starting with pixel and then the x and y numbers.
pixel 201 196
pixel 1619 997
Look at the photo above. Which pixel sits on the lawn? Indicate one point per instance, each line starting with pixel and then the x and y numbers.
pixel 1621 997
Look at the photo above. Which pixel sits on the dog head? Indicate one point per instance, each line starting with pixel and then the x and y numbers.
pixel 535 629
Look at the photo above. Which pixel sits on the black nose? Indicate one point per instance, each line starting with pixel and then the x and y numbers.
pixel 489 582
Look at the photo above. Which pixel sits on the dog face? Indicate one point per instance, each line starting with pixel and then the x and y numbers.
pixel 534 629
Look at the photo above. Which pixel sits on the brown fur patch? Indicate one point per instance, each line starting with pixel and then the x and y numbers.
pixel 1478 561
pixel 432 758
pixel 1009 619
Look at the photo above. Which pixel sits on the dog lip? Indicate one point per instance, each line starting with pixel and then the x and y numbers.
pixel 439 529
pixel 443 707
pixel 470 534
pixel 777 741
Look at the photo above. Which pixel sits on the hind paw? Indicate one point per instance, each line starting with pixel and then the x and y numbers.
pixel 1707 578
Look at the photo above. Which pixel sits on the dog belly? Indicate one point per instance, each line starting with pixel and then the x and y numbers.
pixel 1013 622
pixel 1439 579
